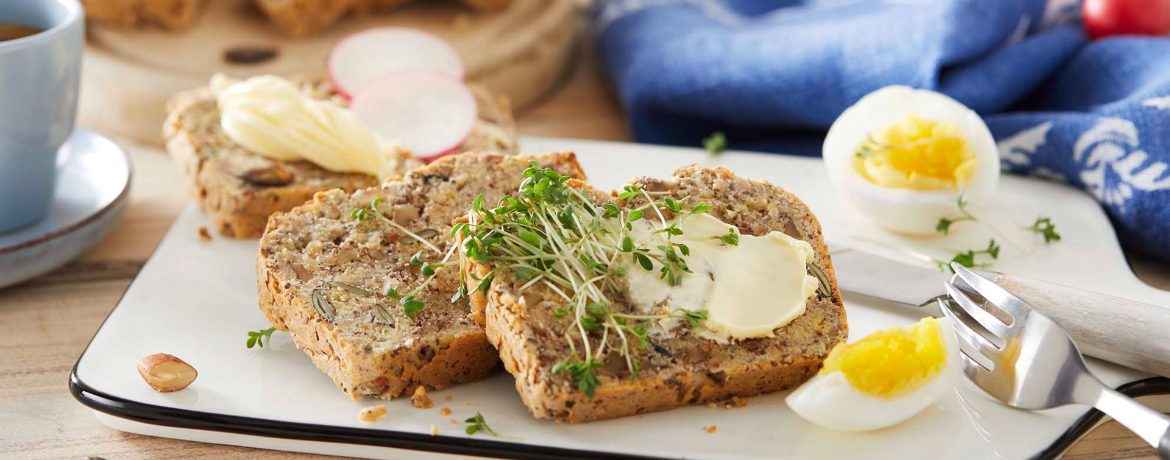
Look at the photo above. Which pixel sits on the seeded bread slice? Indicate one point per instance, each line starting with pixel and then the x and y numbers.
pixel 682 368
pixel 299 18
pixel 168 14
pixel 320 273
pixel 239 189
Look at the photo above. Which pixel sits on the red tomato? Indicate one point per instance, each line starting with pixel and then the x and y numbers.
pixel 1105 18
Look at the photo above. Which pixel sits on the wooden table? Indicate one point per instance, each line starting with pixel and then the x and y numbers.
pixel 47 322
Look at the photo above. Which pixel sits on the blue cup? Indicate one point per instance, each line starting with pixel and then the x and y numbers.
pixel 39 77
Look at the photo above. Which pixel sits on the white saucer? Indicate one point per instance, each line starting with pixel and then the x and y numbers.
pixel 93 187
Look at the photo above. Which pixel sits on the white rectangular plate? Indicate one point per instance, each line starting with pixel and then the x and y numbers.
pixel 196 300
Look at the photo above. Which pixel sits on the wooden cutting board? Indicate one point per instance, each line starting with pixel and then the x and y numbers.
pixel 129 74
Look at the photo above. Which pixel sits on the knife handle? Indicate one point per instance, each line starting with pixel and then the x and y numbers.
pixel 1122 331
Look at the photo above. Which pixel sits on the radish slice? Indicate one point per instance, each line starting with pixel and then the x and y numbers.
pixel 428 113
pixel 369 55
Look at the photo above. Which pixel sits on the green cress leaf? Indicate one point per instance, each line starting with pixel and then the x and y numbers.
pixel 715 144
pixel 1044 227
pixel 529 237
pixel 410 306
pixel 258 337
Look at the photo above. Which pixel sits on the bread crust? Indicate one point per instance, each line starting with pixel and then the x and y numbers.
pixel 311 248
pixel 523 332
pixel 215 167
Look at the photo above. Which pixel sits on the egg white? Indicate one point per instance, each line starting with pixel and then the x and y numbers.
pixel 831 402
pixel 907 211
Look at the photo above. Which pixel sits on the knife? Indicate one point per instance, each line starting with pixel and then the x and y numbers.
pixel 1125 332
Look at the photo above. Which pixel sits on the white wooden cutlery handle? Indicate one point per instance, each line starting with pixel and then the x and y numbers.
pixel 1123 331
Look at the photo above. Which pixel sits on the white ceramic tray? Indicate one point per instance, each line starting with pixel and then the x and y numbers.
pixel 197 299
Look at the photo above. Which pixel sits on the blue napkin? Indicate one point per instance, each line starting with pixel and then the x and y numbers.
pixel 774 74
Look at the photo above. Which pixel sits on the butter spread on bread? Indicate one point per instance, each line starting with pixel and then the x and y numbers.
pixel 748 285
pixel 270 116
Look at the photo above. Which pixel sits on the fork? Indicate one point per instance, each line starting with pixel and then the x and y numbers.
pixel 1024 359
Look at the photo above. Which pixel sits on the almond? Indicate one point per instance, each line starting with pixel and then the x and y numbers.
pixel 166 373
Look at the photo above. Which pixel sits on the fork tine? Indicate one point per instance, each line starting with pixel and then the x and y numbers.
pixel 977 313
pixel 991 382
pixel 967 336
pixel 972 368
pixel 998 296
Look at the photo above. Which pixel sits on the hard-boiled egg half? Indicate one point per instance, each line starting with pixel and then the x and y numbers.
pixel 881 380
pixel 902 156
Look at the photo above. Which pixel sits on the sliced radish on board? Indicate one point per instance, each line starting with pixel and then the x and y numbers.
pixel 371 54
pixel 431 114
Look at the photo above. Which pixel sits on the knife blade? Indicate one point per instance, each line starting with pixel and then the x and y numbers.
pixel 1111 328
pixel 872 275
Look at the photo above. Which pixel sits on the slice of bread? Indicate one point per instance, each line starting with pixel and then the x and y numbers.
pixel 299 18
pixel 168 14
pixel 321 272
pixel 680 368
pixel 239 189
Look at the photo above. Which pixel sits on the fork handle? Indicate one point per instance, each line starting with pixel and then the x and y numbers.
pixel 1110 328
pixel 1147 423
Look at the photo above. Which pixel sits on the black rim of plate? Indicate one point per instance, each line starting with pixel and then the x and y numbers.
pixel 188 419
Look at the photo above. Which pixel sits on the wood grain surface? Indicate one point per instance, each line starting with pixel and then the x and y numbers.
pixel 131 73
pixel 46 323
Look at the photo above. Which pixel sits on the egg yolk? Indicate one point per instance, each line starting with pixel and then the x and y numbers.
pixel 916 154
pixel 892 362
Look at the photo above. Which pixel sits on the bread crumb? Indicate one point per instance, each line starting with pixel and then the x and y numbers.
pixel 204 234
pixel 434 429
pixel 468 403
pixel 420 399
pixel 454 422
pixel 711 405
pixel 445 411
pixel 710 429
pixel 372 414
pixel 448 398
pixel 735 401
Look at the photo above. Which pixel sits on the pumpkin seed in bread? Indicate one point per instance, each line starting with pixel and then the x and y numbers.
pixel 239 189
pixel 538 324
pixel 322 273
